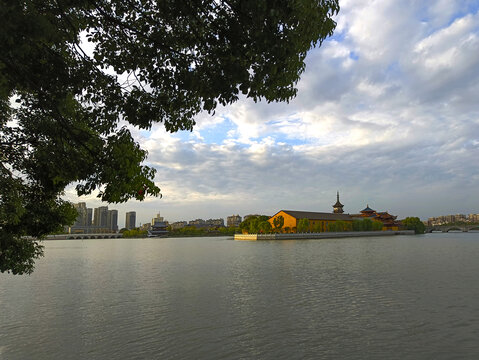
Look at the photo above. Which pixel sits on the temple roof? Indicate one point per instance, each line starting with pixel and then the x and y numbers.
pixel 367 209
pixel 338 204
pixel 317 215
pixel 386 215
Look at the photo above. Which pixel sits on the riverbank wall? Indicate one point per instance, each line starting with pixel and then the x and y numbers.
pixel 324 235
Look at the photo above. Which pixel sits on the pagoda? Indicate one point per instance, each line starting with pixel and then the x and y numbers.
pixel 388 220
pixel 338 207
pixel 368 212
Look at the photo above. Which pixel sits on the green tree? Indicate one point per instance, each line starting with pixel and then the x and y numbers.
pixel 135 233
pixel 303 225
pixel 377 225
pixel 150 61
pixel 367 225
pixel 317 228
pixel 246 226
pixel 332 227
pixel 414 223
pixel 357 225
pixel 339 226
pixel 253 224
pixel 278 223
pixel 265 227
pixel 228 230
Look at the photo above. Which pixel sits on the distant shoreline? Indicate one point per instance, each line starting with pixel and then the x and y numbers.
pixel 324 235
pixel 117 237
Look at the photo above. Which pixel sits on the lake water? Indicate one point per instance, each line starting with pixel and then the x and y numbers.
pixel 403 297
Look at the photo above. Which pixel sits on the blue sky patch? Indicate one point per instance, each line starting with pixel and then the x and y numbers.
pixel 353 55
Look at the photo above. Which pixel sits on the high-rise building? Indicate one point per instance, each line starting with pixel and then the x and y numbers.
pixel 89 217
pixel 81 219
pixel 100 217
pixel 157 219
pixel 233 221
pixel 112 220
pixel 130 220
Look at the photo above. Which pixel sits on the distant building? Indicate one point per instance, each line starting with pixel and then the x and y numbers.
pixel 338 207
pixel 178 225
pixel 157 219
pixel 145 226
pixel 388 220
pixel 82 216
pixel 215 223
pixel 233 221
pixel 104 220
pixel 100 217
pixel 112 220
pixel 322 221
pixel 158 227
pixel 318 220
pixel 89 217
pixel 130 220
pixel 447 219
pixel 198 223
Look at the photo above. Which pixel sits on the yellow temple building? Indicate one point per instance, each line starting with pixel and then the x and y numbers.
pixel 322 220
pixel 317 220
pixel 292 217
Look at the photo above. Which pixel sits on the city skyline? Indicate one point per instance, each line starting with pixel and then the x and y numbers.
pixel 231 220
pixel 386 113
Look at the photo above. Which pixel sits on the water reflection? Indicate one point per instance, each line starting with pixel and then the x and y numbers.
pixel 215 298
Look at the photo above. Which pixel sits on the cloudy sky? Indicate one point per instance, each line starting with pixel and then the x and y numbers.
pixel 387 113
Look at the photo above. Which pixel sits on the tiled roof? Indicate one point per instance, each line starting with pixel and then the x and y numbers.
pixel 317 215
pixel 367 209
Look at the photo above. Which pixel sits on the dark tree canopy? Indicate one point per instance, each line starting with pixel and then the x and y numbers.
pixel 74 72
pixel 414 223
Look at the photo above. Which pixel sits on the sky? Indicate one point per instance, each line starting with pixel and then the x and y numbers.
pixel 387 113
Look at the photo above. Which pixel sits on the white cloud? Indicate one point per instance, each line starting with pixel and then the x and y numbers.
pixel 386 113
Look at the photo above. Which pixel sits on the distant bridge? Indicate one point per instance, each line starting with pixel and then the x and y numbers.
pixel 83 236
pixel 447 228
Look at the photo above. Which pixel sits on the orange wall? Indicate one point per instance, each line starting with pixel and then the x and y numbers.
pixel 291 222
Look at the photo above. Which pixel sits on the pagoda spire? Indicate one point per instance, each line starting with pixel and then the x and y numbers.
pixel 338 207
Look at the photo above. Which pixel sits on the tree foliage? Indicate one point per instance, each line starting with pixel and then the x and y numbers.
pixel 64 106
pixel 255 225
pixel 278 223
pixel 303 225
pixel 367 224
pixel 414 223
pixel 377 225
pixel 317 228
pixel 135 233
pixel 340 226
pixel 265 227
